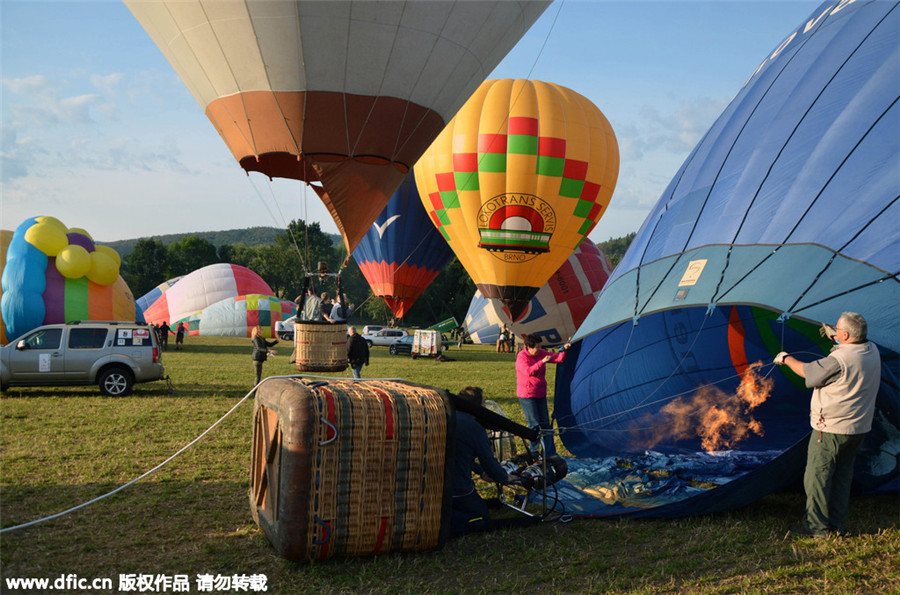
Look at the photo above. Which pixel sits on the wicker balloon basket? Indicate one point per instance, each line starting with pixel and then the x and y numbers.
pixel 320 347
pixel 345 468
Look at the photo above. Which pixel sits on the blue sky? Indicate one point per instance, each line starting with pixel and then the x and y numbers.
pixel 98 131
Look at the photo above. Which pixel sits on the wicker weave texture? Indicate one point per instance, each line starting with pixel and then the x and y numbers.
pixel 376 466
pixel 320 347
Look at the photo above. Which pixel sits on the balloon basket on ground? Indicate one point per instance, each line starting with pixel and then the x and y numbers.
pixel 347 468
pixel 320 347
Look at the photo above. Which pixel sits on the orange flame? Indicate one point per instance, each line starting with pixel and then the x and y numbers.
pixel 720 420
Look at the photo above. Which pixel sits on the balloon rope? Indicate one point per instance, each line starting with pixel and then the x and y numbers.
pixel 151 471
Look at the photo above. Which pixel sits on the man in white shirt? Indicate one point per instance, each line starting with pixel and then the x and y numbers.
pixel 845 384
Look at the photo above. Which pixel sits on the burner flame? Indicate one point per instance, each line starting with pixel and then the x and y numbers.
pixel 720 420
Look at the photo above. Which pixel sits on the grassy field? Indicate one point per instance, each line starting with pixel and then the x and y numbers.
pixel 62 447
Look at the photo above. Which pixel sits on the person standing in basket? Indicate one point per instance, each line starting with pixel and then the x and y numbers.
pixel 261 350
pixel 531 387
pixel 357 352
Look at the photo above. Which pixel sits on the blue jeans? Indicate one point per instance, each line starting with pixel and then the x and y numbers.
pixel 357 371
pixel 538 416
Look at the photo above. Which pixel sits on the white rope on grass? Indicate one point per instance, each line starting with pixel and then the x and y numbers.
pixel 171 458
pixel 151 471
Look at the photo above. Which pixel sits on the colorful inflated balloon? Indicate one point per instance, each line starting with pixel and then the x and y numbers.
pixel 236 317
pixel 782 217
pixel 147 300
pixel 558 309
pixel 402 252
pixel 6 236
pixel 54 274
pixel 203 288
pixel 516 181
pixel 344 95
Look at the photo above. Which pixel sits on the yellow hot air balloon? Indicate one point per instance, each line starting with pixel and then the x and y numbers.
pixel 516 181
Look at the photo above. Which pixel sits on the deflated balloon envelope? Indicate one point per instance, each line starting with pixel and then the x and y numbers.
pixel 783 217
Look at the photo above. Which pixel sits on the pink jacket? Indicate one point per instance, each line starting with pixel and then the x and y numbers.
pixel 531 381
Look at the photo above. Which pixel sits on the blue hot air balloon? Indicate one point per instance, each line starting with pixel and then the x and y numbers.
pixel 783 217
pixel 403 251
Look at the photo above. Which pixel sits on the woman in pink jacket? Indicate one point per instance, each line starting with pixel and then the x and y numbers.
pixel 531 387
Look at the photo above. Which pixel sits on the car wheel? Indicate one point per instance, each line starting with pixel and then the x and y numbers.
pixel 369 343
pixel 116 382
pixel 393 350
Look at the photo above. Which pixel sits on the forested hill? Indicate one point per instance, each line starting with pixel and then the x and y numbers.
pixel 250 236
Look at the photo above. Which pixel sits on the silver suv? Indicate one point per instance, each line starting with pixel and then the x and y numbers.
pixel 113 355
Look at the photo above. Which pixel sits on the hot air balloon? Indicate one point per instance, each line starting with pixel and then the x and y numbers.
pixel 783 217
pixel 202 288
pixel 402 252
pixel 516 181
pixel 148 299
pixel 6 237
pixel 559 307
pixel 55 274
pixel 236 317
pixel 344 95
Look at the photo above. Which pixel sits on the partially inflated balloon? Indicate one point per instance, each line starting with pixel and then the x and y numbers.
pixel 47 238
pixel 103 270
pixel 516 181
pixel 202 288
pixel 54 274
pixel 73 262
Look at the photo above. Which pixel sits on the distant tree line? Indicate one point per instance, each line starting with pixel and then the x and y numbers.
pixel 284 261
pixel 615 248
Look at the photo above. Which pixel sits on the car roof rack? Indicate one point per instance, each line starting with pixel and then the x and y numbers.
pixel 113 322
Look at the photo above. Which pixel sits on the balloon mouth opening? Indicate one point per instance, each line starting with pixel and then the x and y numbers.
pixel 516 309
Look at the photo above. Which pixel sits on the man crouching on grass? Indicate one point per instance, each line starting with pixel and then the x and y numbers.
pixel 470 511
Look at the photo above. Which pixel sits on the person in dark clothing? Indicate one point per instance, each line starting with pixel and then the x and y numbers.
pixel 179 337
pixel 357 352
pixel 164 335
pixel 470 512
pixel 261 350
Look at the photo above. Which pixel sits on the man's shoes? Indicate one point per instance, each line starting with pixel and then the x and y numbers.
pixel 801 530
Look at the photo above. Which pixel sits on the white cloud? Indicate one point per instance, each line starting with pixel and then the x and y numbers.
pixel 108 83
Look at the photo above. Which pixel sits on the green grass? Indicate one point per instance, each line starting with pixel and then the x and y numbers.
pixel 60 447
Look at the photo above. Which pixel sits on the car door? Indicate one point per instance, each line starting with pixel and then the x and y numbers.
pixel 84 347
pixel 38 357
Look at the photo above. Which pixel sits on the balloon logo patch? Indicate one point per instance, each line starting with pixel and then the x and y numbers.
pixel 516 227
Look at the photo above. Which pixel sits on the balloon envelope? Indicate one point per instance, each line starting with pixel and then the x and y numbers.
pixel 47 279
pixel 558 309
pixel 202 288
pixel 516 181
pixel 345 95
pixel 402 252
pixel 783 217
pixel 236 317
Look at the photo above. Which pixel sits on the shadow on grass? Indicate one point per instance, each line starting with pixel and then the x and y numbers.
pixel 155 390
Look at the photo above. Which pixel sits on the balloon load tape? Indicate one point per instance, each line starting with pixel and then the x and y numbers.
pixel 529 466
